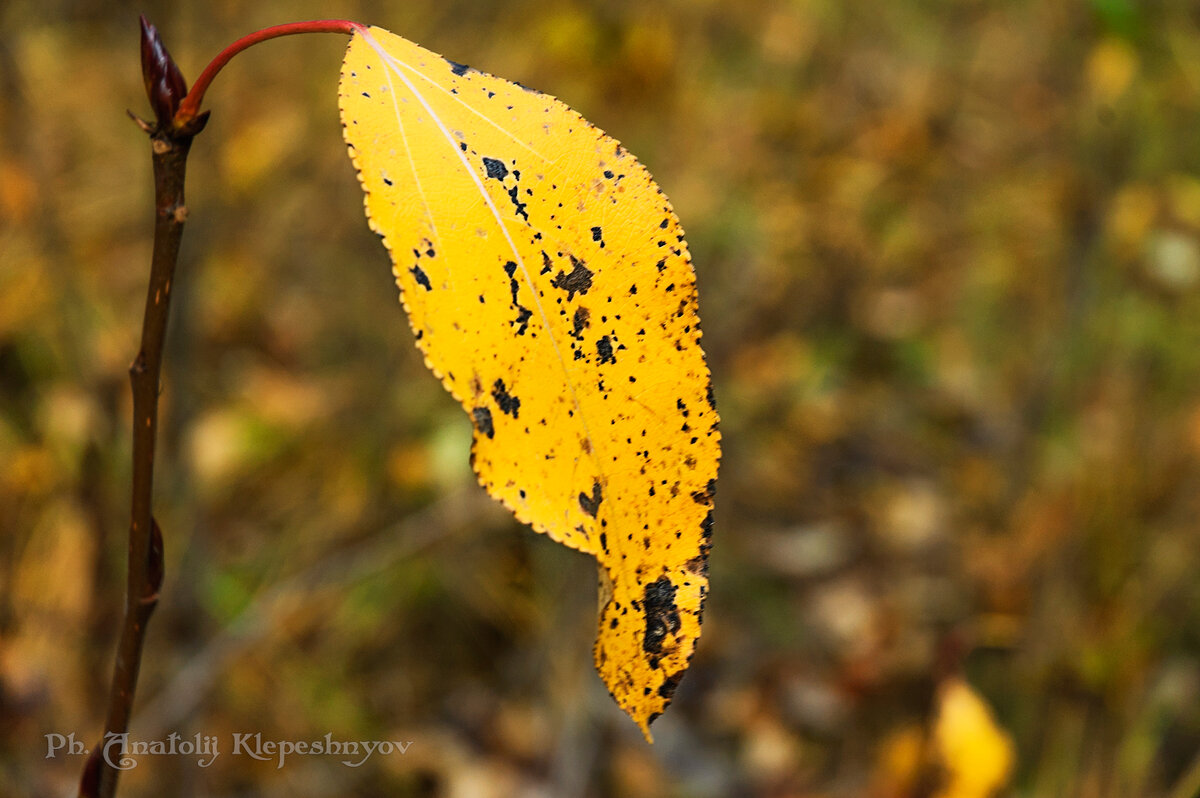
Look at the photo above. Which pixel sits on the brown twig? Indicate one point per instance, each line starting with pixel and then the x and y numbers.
pixel 177 120
pixel 145 539
pixel 169 147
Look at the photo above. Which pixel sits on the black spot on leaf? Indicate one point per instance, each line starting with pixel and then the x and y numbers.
pixel 510 269
pixel 495 169
pixel 422 279
pixel 591 504
pixel 705 496
pixel 706 527
pixel 669 684
pixel 605 349
pixel 579 281
pixel 520 206
pixel 581 322
pixel 662 617
pixel 523 316
pixel 457 68
pixel 483 421
pixel 504 400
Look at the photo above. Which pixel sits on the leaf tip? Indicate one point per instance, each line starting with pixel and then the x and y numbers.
pixel 644 725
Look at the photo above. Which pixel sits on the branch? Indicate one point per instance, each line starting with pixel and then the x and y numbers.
pixel 177 120
pixel 169 147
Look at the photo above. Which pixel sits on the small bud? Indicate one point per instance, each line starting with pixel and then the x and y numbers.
pixel 164 83
pixel 154 563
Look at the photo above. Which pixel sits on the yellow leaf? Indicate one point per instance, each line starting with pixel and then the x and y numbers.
pixel 1111 67
pixel 899 762
pixel 548 284
pixel 976 754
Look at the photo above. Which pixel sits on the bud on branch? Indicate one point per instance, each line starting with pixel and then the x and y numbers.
pixel 164 83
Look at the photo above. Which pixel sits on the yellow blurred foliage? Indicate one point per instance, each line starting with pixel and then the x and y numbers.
pixel 1111 67
pixel 25 291
pixel 18 191
pixel 650 49
pixel 963 751
pixel 977 756
pixel 1131 214
pixel 899 763
pixel 260 146
pixel 220 445
pixel 52 586
pixel 1184 193
pixel 408 466
pixel 567 33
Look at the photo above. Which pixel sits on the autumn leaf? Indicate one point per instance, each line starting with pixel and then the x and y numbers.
pixel 961 753
pixel 975 753
pixel 548 284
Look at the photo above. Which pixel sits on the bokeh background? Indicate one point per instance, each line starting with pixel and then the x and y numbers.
pixel 949 268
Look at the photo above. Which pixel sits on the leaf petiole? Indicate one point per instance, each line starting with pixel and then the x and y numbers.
pixel 189 108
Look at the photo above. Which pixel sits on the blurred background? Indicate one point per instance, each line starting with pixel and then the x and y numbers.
pixel 949 269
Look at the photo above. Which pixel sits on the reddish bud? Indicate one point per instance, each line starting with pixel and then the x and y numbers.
pixel 165 85
pixel 154 563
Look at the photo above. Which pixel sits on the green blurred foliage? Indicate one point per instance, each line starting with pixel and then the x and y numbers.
pixel 949 264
